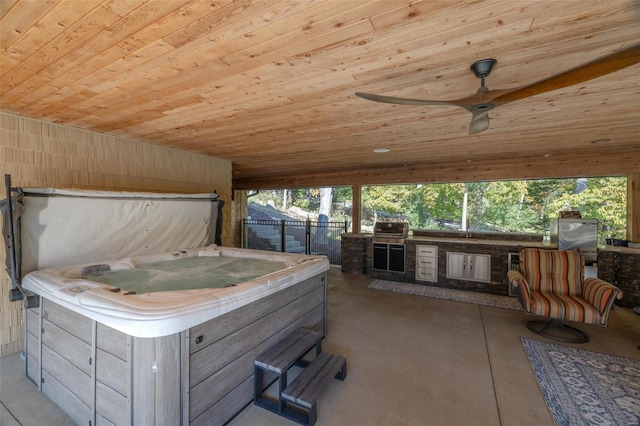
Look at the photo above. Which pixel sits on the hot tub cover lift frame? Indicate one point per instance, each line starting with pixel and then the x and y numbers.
pixel 12 208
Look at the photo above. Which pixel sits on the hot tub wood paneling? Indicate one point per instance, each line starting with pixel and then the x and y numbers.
pixel 112 405
pixel 112 341
pixel 67 374
pixel 227 361
pixel 67 345
pixel 156 386
pixel 72 322
pixel 245 315
pixel 32 348
pixel 112 371
pixel 207 394
pixel 113 376
pixel 101 421
pixel 100 375
pixel 65 399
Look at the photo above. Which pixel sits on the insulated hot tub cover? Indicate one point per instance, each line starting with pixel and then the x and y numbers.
pixel 58 227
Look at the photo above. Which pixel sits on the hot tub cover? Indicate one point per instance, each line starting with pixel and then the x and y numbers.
pixel 62 227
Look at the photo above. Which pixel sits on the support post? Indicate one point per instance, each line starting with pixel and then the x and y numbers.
pixel 633 207
pixel 355 209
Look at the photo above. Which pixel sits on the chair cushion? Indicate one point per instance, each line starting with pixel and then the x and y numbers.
pixel 553 271
pixel 562 306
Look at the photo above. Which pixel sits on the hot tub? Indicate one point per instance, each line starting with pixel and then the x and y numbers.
pixel 166 332
pixel 161 294
pixel 168 338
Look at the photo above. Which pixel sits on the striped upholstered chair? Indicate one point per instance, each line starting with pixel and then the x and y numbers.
pixel 551 284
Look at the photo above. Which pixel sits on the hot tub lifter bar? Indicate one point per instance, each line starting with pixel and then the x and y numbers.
pixel 9 208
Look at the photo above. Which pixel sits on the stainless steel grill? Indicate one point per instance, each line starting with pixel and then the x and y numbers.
pixel 389 246
pixel 390 232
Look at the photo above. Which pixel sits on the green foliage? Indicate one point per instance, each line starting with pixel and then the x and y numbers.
pixel 308 199
pixel 499 206
pixel 505 206
pixel 604 199
pixel 386 200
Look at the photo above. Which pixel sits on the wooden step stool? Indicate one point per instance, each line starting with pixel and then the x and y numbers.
pixel 305 390
pixel 298 400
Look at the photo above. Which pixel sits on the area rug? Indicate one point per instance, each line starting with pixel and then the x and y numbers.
pixel 585 388
pixel 447 294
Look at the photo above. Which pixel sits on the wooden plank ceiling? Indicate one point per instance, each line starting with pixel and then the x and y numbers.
pixel 269 85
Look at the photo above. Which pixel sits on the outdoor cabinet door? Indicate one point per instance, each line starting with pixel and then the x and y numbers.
pixel 479 266
pixel 470 267
pixel 380 256
pixel 456 265
pixel 396 257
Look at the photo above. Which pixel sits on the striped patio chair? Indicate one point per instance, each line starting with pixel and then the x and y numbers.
pixel 551 284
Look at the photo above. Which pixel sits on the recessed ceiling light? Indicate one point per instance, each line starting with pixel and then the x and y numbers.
pixel 381 150
pixel 603 140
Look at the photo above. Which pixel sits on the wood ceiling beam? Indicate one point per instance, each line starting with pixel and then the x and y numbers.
pixel 618 164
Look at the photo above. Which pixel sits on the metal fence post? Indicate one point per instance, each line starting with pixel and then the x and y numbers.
pixel 264 236
pixel 245 243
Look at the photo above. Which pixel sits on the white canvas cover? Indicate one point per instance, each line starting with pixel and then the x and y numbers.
pixel 65 227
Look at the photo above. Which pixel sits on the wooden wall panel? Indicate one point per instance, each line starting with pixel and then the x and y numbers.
pixel 42 154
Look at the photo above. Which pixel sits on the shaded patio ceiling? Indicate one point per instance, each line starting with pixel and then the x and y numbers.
pixel 269 85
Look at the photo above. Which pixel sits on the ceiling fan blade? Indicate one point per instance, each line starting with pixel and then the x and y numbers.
pixel 598 67
pixel 479 122
pixel 404 101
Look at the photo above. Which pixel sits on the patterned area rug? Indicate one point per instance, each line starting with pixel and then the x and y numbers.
pixel 447 294
pixel 586 388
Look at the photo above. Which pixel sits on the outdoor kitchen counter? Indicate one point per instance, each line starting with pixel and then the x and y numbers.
pixel 357 257
pixel 617 265
pixel 461 239
pixel 492 242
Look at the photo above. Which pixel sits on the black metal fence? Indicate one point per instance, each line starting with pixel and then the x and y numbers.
pixel 295 236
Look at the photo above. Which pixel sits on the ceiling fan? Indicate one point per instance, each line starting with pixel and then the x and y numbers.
pixel 484 100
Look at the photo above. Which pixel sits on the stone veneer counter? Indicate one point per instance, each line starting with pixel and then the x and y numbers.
pixel 621 267
pixel 617 265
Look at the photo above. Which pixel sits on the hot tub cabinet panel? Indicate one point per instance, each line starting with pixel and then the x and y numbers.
pixel 199 376
pixel 223 360
pixel 32 345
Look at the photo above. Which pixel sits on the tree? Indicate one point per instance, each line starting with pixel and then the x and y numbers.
pixel 499 206
pixel 507 206
pixel 325 202
pixel 604 199
pixel 387 201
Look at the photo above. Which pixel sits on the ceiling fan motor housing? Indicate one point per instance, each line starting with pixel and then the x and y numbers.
pixel 483 67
